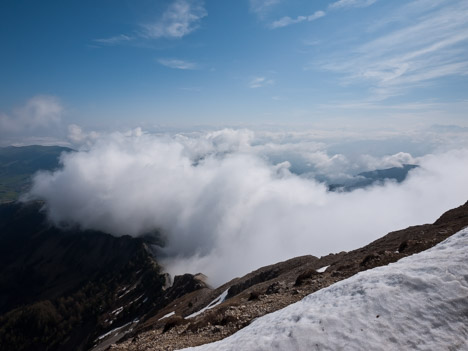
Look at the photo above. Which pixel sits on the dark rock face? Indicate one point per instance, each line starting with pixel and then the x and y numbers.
pixel 184 284
pixel 58 287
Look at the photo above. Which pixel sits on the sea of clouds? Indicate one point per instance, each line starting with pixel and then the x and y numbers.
pixel 233 200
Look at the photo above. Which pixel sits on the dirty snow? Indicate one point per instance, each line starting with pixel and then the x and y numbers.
pixel 417 303
pixel 220 299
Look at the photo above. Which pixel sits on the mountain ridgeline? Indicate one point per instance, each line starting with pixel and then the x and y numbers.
pixel 85 290
pixel 365 179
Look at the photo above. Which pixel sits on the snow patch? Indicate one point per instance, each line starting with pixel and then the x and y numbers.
pixel 417 303
pixel 220 299
pixel 167 315
pixel 117 310
pixel 322 269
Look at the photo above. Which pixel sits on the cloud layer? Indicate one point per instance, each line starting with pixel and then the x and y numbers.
pixel 226 208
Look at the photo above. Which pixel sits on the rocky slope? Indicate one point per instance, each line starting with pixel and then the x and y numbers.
pixel 237 303
pixel 67 289
pixel 62 288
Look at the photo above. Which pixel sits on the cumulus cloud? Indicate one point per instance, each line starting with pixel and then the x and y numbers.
pixel 225 208
pixel 80 137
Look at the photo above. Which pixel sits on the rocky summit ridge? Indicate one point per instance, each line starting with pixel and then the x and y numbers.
pixel 205 315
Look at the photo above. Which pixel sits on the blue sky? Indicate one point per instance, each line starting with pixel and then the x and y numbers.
pixel 126 63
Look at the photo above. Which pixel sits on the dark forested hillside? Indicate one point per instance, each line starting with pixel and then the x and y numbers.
pixel 58 286
pixel 18 164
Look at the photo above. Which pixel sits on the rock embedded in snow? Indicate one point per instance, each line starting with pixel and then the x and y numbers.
pixel 417 303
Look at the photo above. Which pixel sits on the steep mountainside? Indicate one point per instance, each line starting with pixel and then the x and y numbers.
pixel 208 315
pixel 417 303
pixel 67 289
pixel 60 289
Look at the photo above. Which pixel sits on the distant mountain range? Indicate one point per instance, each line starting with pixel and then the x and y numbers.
pixel 18 164
pixel 366 179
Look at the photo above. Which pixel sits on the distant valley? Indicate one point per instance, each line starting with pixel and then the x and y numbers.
pixel 18 164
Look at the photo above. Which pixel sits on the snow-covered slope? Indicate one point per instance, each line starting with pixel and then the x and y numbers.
pixel 417 303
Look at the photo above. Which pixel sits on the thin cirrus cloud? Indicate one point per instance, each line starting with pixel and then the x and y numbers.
pixel 117 39
pixel 286 21
pixel 178 64
pixel 351 3
pixel 433 46
pixel 260 82
pixel 181 18
pixel 262 7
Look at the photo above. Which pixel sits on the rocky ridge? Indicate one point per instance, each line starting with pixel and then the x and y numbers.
pixel 237 303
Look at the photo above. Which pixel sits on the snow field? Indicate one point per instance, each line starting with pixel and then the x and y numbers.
pixel 417 303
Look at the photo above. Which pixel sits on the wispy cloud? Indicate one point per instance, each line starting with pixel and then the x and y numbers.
pixel 433 46
pixel 115 40
pixel 262 7
pixel 182 17
pixel 351 3
pixel 260 82
pixel 286 21
pixel 177 64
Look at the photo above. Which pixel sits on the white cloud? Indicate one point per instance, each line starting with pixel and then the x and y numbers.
pixel 178 64
pixel 115 40
pixel 217 197
pixel 431 47
pixel 79 137
pixel 351 3
pixel 40 113
pixel 260 82
pixel 286 21
pixel 262 7
pixel 180 19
